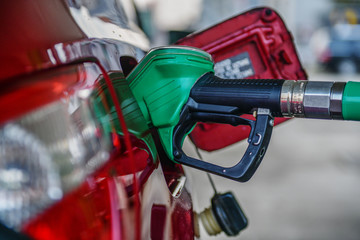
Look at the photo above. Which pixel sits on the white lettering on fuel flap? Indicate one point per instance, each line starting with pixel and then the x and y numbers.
pixel 236 67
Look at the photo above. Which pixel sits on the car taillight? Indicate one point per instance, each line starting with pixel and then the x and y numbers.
pixel 50 139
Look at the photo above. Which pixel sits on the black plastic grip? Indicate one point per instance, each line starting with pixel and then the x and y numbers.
pixel 245 94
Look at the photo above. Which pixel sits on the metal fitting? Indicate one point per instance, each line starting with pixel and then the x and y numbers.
pixel 292 98
pixel 317 100
pixel 336 100
pixel 312 99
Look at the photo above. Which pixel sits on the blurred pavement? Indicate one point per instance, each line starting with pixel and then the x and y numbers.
pixel 307 186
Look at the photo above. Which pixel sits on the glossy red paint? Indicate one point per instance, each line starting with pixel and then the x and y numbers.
pixel 43 41
pixel 158 221
pixel 262 35
pixel 38 90
pixel 132 163
pixel 98 209
pixel 28 29
pixel 182 219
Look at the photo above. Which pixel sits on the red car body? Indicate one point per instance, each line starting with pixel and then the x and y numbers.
pixel 52 49
pixel 63 65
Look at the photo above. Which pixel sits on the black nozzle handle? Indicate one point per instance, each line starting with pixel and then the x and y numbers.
pixel 259 139
pixel 245 94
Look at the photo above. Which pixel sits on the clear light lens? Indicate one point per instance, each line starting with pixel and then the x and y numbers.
pixel 47 153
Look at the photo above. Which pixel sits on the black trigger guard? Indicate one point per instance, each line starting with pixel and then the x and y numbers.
pixel 259 139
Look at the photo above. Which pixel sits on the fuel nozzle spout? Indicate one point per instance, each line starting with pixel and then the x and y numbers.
pixel 321 100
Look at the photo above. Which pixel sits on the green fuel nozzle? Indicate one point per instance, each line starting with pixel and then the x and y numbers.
pixel 161 84
pixel 175 88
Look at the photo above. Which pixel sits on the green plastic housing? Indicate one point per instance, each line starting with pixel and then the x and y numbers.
pixel 351 101
pixel 135 122
pixel 161 84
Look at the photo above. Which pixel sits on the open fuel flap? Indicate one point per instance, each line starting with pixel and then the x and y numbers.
pixel 253 45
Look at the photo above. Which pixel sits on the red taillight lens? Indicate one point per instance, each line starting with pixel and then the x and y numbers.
pixel 22 95
pixel 50 139
pixel 97 209
pixel 75 216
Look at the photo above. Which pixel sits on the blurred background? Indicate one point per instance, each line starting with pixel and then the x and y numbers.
pixel 308 184
pixel 326 32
